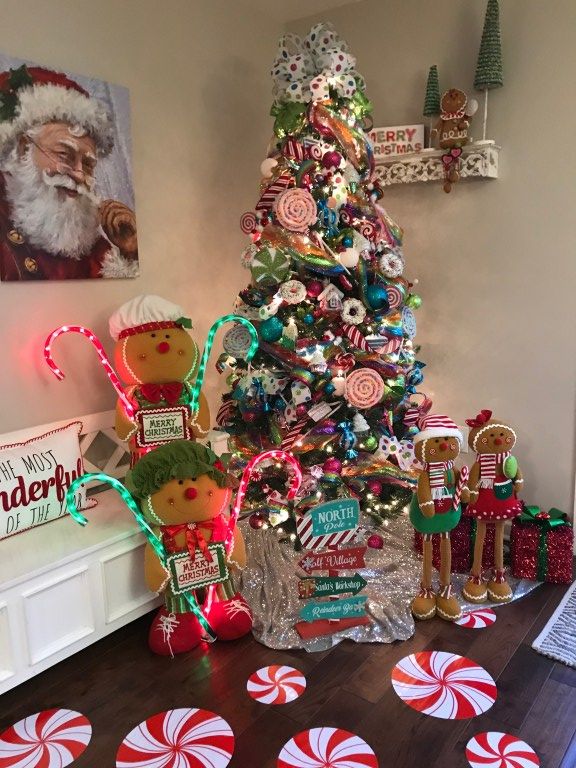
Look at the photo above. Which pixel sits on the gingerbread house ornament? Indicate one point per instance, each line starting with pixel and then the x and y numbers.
pixel 330 300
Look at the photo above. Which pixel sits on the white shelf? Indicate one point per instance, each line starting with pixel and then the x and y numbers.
pixel 478 160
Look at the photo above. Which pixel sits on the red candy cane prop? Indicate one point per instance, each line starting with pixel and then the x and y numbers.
pixel 460 485
pixel 241 493
pixel 97 344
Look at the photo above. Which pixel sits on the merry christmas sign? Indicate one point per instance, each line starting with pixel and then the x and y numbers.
pixel 397 140
pixel 34 478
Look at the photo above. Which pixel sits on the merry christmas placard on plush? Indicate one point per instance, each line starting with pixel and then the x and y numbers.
pixel 34 478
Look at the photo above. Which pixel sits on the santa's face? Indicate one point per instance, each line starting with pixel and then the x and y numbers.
pixel 49 180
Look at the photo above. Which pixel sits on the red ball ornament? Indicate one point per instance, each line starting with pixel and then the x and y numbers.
pixel 374 486
pixel 375 541
pixel 331 159
pixel 332 465
pixel 256 520
pixel 301 411
pixel 314 288
pixel 249 417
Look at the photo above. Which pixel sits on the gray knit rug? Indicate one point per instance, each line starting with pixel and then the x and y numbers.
pixel 558 638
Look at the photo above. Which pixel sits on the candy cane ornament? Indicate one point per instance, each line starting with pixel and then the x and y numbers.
pixel 154 541
pixel 97 344
pixel 460 485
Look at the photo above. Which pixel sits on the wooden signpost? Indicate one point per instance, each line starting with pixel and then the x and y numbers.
pixel 331 525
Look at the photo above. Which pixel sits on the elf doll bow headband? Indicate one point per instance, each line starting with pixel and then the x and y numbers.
pixel 482 418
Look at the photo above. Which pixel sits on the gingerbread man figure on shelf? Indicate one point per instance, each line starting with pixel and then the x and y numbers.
pixel 495 481
pixel 435 508
pixel 452 131
pixel 156 358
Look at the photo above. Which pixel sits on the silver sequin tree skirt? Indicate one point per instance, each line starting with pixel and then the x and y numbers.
pixel 393 574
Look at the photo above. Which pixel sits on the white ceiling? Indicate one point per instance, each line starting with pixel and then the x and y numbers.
pixel 290 10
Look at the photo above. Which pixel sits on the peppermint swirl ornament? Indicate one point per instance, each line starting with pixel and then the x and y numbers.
pixel 364 388
pixel 295 209
pixel 276 684
pixel 248 222
pixel 353 311
pixel 396 293
pixel 392 264
pixel 237 341
pixel 270 266
pixel 293 292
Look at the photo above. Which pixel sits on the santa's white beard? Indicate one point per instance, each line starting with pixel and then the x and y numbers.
pixel 60 225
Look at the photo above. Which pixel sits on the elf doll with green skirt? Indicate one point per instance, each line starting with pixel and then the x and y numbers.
pixel 436 508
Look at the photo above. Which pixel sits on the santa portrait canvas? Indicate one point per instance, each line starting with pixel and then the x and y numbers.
pixel 66 194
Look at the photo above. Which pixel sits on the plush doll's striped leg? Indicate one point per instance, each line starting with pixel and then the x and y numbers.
pixel 475 588
pixel 424 604
pixel 499 590
pixel 447 606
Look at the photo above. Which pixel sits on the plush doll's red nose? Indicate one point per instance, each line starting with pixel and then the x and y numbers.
pixel 498 441
pixel 443 446
pixel 190 493
pixel 163 347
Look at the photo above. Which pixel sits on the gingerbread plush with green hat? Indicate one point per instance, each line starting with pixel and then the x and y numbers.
pixel 435 508
pixel 495 481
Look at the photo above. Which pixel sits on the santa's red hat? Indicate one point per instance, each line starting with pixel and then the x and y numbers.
pixel 436 425
pixel 33 96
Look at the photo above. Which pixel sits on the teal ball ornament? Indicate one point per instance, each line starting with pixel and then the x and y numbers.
pixel 377 297
pixel 271 329
pixel 347 242
pixel 308 319
pixel 329 389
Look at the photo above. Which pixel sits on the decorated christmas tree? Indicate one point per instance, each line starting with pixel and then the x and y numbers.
pixel 336 366
pixel 489 66
pixel 432 98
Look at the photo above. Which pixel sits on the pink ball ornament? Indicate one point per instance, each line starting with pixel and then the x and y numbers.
pixel 332 465
pixel 375 541
pixel 331 159
pixel 374 486
pixel 301 411
pixel 314 288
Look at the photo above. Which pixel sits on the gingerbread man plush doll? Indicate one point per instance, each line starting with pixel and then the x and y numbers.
pixel 156 358
pixel 435 508
pixel 495 481
pixel 184 495
pixel 452 131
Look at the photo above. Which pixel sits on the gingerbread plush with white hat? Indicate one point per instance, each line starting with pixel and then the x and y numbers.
pixel 435 508
pixel 156 358
pixel 495 481
pixel 185 493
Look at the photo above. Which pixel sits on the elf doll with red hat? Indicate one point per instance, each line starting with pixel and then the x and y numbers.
pixel 53 225
pixel 157 359
pixel 495 481
pixel 435 508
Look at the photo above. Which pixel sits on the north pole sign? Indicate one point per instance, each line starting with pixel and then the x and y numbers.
pixel 397 140
pixel 329 524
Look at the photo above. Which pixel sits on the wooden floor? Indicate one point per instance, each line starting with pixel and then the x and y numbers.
pixel 117 683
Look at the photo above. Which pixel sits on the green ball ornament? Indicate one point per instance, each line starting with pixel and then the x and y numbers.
pixel 370 443
pixel 377 296
pixel 271 330
pixel 414 301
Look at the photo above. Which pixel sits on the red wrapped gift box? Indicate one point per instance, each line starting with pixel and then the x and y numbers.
pixel 541 546
pixel 462 540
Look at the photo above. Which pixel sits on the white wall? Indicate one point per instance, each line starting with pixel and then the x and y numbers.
pixel 496 259
pixel 200 91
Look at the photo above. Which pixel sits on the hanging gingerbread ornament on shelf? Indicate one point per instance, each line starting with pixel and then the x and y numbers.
pixel 452 131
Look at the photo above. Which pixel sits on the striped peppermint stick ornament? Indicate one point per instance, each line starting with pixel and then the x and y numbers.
pixel 293 434
pixel 460 485
pixel 271 192
pixel 294 150
pixel 356 337
pixel 309 541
